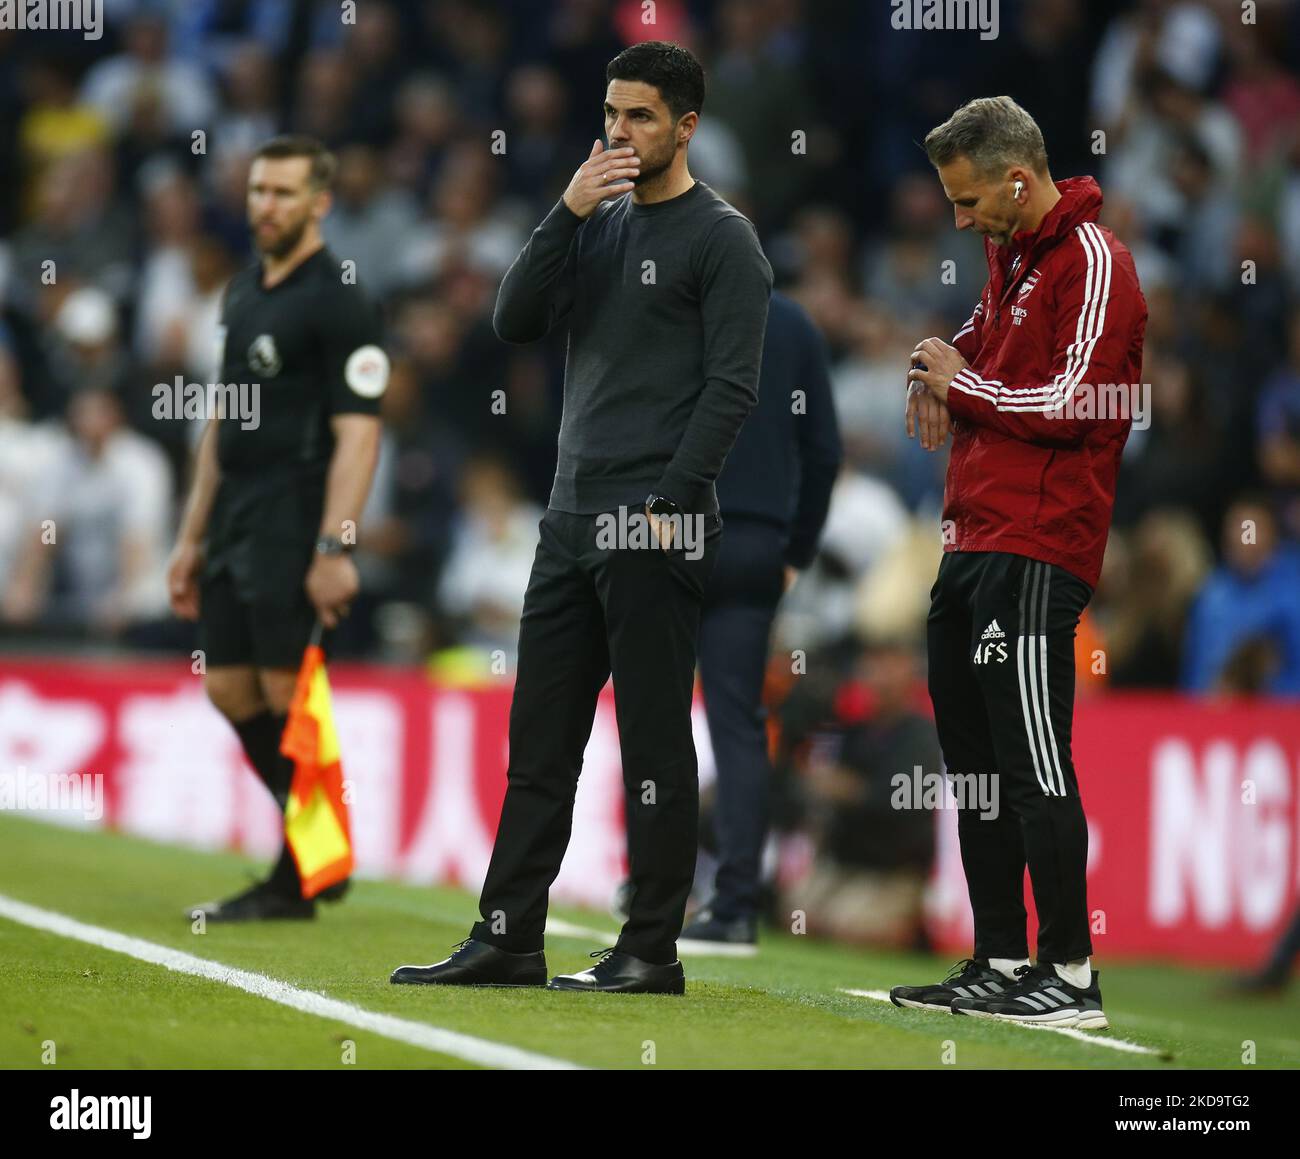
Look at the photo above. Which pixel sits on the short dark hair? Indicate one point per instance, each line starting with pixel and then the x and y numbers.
pixel 323 163
pixel 993 133
pixel 672 69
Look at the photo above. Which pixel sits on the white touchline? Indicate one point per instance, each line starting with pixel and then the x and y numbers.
pixel 449 1042
pixel 686 947
pixel 562 929
pixel 1068 1031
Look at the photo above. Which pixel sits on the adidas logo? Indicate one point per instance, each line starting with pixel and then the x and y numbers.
pixel 993 632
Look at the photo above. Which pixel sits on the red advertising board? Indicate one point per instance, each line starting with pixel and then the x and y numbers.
pixel 1193 828
pixel 1193 807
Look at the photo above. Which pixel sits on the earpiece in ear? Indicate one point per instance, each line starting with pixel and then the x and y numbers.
pixel 1020 188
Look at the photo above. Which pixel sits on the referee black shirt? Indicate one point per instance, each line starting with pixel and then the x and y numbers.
pixel 312 344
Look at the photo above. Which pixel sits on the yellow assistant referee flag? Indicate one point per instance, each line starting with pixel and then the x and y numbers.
pixel 316 825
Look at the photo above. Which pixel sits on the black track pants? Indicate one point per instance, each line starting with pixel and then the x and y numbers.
pixel 1001 671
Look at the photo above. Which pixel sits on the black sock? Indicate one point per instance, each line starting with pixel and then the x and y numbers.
pixel 284 877
pixel 281 777
pixel 260 736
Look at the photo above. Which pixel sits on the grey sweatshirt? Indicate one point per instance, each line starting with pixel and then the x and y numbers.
pixel 666 306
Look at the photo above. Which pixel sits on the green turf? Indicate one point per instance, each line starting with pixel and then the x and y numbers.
pixel 781 1009
pixel 100 1009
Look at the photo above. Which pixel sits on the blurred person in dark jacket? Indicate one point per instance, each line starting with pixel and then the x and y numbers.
pixel 774 493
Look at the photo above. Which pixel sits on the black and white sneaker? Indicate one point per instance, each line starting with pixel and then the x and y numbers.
pixel 1041 996
pixel 973 977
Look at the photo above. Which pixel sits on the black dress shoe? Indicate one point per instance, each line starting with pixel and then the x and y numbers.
pixel 259 904
pixel 477 964
pixel 620 973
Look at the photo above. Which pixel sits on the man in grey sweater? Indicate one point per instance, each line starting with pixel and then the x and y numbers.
pixel 664 289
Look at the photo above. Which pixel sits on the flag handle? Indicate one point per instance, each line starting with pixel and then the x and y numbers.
pixel 316 633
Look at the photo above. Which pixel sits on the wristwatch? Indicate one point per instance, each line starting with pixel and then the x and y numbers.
pixel 661 505
pixel 332 545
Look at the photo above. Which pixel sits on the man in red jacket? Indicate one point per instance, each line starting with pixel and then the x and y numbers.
pixel 1038 389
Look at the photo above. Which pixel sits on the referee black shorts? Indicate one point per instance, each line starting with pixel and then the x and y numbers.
pixel 266 630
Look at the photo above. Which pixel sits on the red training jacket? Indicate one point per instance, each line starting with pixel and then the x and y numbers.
pixel 1058 327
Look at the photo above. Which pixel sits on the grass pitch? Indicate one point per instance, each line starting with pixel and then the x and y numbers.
pixel 786 1008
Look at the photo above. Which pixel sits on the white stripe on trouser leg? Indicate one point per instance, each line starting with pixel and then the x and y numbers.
pixel 1038 677
pixel 1047 704
pixel 1037 650
pixel 1021 667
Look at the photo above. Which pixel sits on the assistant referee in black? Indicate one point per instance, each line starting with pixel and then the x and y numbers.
pixel 263 549
pixel 664 289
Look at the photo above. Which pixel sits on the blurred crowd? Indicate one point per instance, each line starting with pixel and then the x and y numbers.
pixel 458 123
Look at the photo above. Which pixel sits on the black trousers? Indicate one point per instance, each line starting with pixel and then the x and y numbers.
pixel 1001 671
pixel 591 610
pixel 739 606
